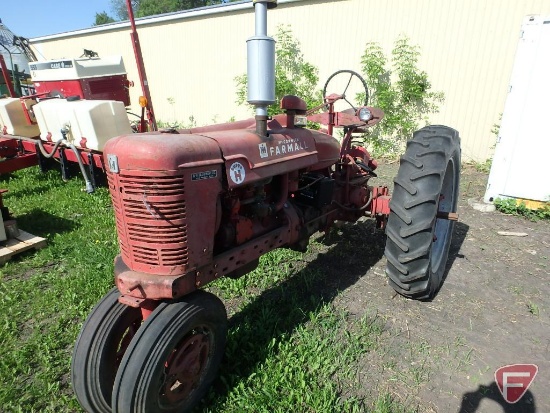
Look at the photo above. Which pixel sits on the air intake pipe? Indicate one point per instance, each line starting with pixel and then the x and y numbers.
pixel 261 66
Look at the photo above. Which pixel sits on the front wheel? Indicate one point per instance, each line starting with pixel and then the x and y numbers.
pixel 426 189
pixel 174 358
pixel 98 351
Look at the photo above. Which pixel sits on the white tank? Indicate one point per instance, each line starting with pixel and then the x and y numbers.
pixel 88 123
pixel 12 117
pixel 50 118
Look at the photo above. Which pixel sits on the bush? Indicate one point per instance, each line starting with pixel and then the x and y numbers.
pixel 401 90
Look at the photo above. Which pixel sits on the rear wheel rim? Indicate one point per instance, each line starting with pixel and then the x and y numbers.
pixel 442 227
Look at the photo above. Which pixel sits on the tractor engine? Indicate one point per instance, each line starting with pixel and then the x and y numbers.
pixel 195 205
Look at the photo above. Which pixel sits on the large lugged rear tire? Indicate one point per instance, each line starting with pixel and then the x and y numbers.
pixel 418 241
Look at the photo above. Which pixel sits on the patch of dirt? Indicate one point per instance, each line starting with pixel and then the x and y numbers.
pixel 27 274
pixel 492 310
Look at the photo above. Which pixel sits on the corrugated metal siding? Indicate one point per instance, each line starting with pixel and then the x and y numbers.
pixel 468 48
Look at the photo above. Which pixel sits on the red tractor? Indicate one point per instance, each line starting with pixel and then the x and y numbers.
pixel 195 205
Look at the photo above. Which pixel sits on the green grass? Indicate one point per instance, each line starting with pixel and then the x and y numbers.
pixel 44 296
pixel 288 349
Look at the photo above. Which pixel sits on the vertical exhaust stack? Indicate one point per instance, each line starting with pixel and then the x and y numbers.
pixel 261 66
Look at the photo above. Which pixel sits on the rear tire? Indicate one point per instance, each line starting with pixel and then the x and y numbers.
pixel 418 242
pixel 173 359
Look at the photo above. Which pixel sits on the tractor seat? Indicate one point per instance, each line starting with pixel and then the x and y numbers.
pixel 294 104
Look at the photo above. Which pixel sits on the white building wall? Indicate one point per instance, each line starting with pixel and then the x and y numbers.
pixel 192 58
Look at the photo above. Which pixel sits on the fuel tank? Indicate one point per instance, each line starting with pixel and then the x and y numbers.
pixel 249 157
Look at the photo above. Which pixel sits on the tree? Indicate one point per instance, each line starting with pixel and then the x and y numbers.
pixel 293 75
pixel 152 7
pixel 401 90
pixel 102 18
pixel 144 8
pixel 120 9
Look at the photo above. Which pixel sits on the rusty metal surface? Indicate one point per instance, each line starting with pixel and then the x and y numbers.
pixel 451 216
pixel 141 285
pixel 341 119
pixel 141 68
pixel 24 149
pixel 249 157
pixel 380 201
pixel 17 157
pixel 291 102
pixel 197 204
pixel 154 215
pixel 155 151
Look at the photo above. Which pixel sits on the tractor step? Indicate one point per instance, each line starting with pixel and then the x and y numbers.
pixel 22 242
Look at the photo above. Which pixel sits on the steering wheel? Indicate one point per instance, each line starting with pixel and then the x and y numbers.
pixel 351 74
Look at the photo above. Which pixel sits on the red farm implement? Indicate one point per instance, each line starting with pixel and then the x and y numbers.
pixel 76 105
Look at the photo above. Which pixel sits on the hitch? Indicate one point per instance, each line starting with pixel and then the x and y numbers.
pixel 451 216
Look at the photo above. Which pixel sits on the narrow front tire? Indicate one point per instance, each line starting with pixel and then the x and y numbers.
pixel 99 348
pixel 174 358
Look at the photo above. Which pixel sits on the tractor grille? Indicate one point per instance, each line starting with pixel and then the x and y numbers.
pixel 151 221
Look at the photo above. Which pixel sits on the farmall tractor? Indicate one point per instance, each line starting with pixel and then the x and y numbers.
pixel 195 205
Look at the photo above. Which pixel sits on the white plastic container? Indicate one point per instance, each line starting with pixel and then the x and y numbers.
pixel 50 116
pixel 12 117
pixel 88 123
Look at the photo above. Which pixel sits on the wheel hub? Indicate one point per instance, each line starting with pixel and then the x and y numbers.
pixel 185 366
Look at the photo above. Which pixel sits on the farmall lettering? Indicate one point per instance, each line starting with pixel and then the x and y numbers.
pixel 282 147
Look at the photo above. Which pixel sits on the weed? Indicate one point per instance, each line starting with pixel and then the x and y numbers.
pixel 388 404
pixel 484 167
pixel 511 206
pixel 495 130
pixel 533 308
pixel 176 124
pixel 516 290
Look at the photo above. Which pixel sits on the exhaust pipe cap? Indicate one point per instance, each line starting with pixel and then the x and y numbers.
pixel 271 4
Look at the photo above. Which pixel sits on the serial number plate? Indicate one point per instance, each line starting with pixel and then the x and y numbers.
pixel 198 176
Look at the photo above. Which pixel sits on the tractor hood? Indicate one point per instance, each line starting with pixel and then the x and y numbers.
pixel 247 157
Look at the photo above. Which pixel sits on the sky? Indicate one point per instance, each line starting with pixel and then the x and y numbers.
pixel 43 17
